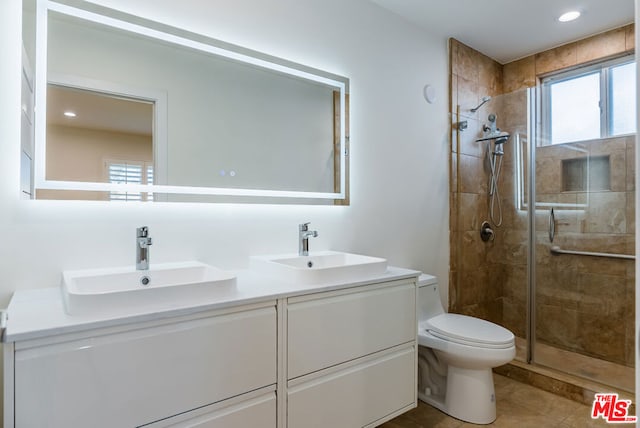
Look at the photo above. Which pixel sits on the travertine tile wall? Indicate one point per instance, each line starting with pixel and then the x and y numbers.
pixel 583 304
pixel 472 290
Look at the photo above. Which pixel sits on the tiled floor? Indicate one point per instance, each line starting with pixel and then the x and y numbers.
pixel 518 405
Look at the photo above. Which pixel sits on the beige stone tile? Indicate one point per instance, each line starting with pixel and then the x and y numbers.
pixel 535 421
pixel 557 326
pixel 618 170
pixel 514 245
pixel 466 62
pixel 513 118
pixel 630 37
pixel 468 137
pixel 630 313
pixel 453 291
pixel 605 146
pixel 556 59
pixel 601 45
pixel 472 211
pixel 601 337
pixel 519 74
pixel 468 97
pixel 474 286
pixel 631 167
pixel 512 217
pixel 428 416
pixel 603 265
pixel 542 402
pixel 453 172
pixel 606 213
pixel 456 244
pixel 453 92
pixel 472 251
pixel 602 301
pixel 548 175
pixel 489 75
pixel 503 386
pixel 513 317
pixel 631 212
pixel 473 178
pixel 581 418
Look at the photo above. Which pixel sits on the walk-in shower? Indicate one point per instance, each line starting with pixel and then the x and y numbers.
pixel 571 312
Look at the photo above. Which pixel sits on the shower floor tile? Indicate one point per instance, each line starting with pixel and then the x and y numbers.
pixel 518 405
pixel 594 369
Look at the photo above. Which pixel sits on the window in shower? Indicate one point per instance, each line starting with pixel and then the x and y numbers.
pixel 591 102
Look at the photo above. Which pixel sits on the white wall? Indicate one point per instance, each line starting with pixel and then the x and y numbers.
pixel 399 172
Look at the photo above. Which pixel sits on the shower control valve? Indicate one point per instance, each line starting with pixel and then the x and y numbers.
pixel 486 232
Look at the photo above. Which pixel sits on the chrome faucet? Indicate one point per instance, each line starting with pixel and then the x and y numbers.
pixel 303 238
pixel 143 242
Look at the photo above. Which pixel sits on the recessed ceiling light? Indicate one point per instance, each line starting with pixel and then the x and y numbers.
pixel 69 114
pixel 569 16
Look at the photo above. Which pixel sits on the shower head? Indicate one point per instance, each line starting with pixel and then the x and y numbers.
pixel 501 138
pixel 484 100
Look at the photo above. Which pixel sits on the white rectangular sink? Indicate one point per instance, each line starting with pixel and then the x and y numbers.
pixel 102 292
pixel 320 267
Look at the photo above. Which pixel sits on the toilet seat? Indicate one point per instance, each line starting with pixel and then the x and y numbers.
pixel 469 331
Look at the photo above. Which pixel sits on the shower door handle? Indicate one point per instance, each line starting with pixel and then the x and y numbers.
pixel 552 225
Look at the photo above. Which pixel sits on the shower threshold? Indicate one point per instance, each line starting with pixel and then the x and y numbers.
pixel 570 374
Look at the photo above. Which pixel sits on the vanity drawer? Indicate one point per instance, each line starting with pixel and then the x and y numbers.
pixel 256 410
pixel 137 376
pixel 358 395
pixel 330 328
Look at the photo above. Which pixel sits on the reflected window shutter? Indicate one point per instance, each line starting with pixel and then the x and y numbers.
pixel 121 173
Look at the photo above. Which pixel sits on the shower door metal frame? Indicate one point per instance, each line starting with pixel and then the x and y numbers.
pixel 533 110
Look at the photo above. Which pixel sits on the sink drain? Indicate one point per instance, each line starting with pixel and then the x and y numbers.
pixel 310 264
pixel 145 280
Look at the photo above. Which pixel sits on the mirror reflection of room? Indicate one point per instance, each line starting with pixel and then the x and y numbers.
pixel 95 137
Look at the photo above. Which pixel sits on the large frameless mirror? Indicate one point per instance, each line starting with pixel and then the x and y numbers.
pixel 137 110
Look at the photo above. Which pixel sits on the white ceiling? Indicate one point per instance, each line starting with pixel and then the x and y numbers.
pixel 98 111
pixel 507 30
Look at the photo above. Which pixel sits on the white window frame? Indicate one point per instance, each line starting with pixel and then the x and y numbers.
pixel 604 68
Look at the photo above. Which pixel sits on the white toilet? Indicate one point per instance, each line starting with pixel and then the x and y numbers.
pixel 456 356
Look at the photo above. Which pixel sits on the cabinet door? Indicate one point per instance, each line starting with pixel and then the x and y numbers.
pixel 355 396
pixel 139 376
pixel 325 331
pixel 253 410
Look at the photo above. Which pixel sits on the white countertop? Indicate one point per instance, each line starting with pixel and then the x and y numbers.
pixel 40 313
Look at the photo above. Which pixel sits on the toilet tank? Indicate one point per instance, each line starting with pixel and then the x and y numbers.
pixel 429 304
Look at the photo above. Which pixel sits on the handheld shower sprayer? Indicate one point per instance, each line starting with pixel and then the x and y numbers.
pixel 484 101
pixel 494 158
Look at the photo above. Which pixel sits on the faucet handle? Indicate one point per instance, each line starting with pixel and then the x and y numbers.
pixel 142 232
pixel 303 227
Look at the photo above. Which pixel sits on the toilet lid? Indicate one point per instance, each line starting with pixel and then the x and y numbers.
pixel 469 331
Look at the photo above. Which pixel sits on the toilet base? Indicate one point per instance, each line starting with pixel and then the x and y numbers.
pixel 470 396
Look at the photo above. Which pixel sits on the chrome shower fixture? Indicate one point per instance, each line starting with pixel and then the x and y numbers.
pixel 484 100
pixel 500 137
pixel 461 126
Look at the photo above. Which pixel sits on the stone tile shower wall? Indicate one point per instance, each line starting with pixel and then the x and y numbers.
pixel 584 304
pixel 473 289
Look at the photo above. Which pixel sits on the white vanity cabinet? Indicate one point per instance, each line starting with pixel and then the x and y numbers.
pixel 339 356
pixel 351 356
pixel 139 374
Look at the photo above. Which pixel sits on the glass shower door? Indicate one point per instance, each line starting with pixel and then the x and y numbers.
pixel 583 229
